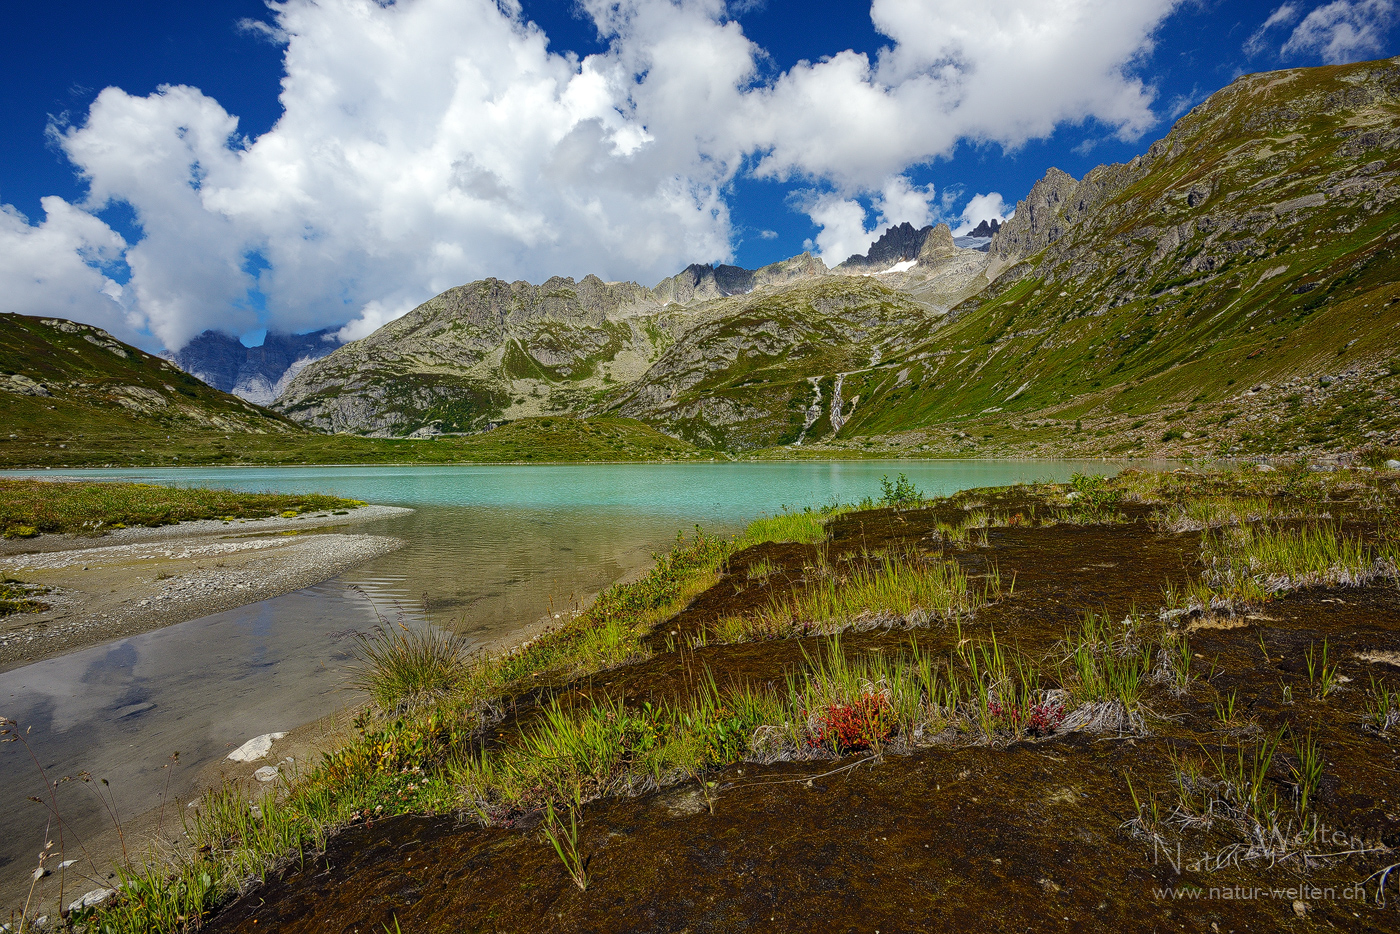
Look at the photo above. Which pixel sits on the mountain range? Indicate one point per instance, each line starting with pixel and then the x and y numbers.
pixel 1243 263
pixel 493 351
pixel 1232 291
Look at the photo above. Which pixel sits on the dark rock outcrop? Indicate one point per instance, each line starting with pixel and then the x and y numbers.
pixel 896 245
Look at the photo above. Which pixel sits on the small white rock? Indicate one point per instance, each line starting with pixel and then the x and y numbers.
pixel 256 748
pixel 91 899
pixel 1392 465
pixel 1265 468
pixel 266 774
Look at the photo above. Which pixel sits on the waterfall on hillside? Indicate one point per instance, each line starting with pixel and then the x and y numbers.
pixel 814 411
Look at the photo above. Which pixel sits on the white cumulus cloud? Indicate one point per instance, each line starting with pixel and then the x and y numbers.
pixel 54 267
pixel 995 71
pixel 1343 31
pixel 425 143
pixel 988 207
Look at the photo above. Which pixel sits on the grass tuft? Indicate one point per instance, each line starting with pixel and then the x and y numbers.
pixel 1382 707
pixel 1249 565
pixel 402 668
pixel 807 527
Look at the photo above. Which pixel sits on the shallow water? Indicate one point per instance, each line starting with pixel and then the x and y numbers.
pixel 490 549
pixel 119 711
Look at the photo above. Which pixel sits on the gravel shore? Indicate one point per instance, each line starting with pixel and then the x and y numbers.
pixel 135 580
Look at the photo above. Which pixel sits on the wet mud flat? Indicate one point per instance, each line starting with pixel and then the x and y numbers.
pixel 1069 830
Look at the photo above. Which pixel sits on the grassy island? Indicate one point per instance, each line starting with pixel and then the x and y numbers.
pixel 33 507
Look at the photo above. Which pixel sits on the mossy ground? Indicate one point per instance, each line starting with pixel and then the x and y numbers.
pixel 18 597
pixel 978 822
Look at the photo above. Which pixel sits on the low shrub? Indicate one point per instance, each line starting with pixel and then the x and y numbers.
pixel 900 492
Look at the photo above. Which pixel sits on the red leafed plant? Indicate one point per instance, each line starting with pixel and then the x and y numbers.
pixel 857 725
pixel 1045 718
pixel 1041 719
pixel 996 711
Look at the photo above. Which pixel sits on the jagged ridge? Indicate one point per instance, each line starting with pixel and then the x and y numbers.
pixel 493 351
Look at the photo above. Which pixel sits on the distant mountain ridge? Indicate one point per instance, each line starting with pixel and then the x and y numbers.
pixel 258 374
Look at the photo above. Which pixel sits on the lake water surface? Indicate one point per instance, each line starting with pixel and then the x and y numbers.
pixel 490 549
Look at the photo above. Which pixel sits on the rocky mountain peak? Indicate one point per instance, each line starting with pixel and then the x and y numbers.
pixel 897 244
pixel 937 246
pixel 1037 221
pixel 985 229
pixel 701 282
pixel 901 244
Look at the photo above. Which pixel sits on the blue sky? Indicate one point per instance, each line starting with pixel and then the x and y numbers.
pixel 430 142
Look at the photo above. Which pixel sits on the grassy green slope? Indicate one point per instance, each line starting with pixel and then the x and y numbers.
pixel 74 396
pixel 1278 331
pixel 58 376
pixel 562 439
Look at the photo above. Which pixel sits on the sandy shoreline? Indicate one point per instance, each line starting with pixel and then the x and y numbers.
pixel 190 552
pixel 135 580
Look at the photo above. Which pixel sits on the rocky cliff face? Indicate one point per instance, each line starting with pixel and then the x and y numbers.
pixel 491 350
pixel 896 245
pixel 985 229
pixel 698 283
pixel 258 374
pixel 483 352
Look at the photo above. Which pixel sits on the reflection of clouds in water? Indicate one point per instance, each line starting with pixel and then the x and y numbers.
pixel 72 689
pixel 213 683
